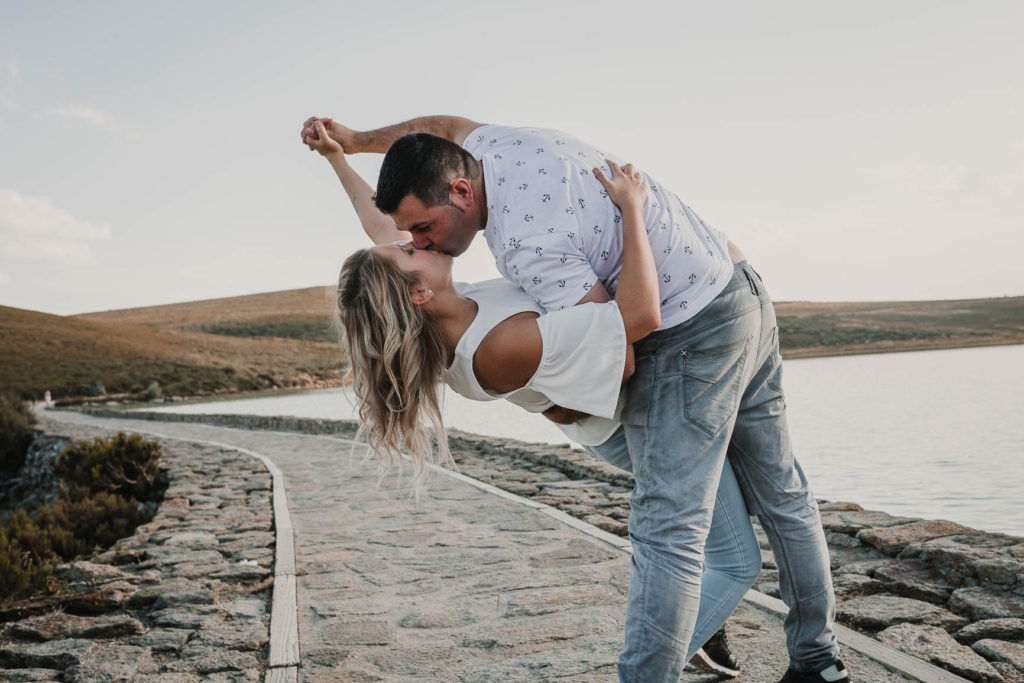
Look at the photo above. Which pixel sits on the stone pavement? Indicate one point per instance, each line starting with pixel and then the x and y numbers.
pixel 465 585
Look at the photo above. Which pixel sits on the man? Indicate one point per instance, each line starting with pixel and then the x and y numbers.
pixel 707 384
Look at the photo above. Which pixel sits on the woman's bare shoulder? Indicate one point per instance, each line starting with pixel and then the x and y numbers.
pixel 509 355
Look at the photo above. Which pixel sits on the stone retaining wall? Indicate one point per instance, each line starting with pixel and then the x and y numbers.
pixel 932 588
pixel 185 598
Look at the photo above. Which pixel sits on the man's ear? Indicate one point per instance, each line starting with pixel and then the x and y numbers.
pixel 420 295
pixel 460 193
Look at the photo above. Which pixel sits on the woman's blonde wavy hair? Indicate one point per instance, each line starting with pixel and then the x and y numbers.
pixel 398 356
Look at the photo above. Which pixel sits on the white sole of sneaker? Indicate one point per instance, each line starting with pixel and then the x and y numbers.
pixel 702 662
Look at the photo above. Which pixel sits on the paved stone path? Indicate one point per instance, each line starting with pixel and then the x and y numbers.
pixel 463 586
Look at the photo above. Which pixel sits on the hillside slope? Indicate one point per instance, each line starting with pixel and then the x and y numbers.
pixel 295 314
pixel 287 339
pixel 65 354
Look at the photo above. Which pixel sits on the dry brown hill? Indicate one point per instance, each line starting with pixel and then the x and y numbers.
pixel 805 328
pixel 829 329
pixel 286 339
pixel 294 314
pixel 65 354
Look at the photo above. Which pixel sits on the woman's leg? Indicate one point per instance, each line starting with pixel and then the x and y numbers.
pixel 732 561
pixel 732 557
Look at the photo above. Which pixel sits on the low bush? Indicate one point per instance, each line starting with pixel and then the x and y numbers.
pixel 16 423
pixel 20 574
pixel 99 503
pixel 124 465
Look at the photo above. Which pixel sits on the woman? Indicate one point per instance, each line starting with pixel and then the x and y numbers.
pixel 409 327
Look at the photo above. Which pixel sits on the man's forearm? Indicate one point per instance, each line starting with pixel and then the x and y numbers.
pixel 454 128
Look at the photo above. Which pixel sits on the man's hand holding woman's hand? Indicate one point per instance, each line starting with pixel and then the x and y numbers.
pixel 319 133
pixel 316 137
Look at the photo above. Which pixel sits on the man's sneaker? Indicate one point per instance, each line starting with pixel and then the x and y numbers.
pixel 834 672
pixel 716 657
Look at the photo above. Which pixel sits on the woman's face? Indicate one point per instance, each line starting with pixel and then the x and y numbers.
pixel 433 269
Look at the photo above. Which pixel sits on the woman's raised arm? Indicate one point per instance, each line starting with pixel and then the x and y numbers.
pixel 637 293
pixel 378 226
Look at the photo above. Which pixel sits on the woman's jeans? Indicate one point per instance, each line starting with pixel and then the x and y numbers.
pixel 705 392
pixel 732 557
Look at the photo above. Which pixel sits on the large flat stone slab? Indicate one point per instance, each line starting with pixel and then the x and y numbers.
pixel 891 540
pixel 877 612
pixel 985 603
pixel 935 645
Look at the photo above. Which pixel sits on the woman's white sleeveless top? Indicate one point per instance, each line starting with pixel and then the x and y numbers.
pixel 581 366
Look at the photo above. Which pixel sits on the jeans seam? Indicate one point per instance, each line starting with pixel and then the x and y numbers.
pixel 794 609
pixel 765 475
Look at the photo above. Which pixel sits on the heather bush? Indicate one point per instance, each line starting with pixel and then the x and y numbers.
pixel 104 480
pixel 20 574
pixel 15 431
pixel 125 465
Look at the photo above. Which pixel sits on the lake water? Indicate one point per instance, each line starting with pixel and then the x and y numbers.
pixel 933 434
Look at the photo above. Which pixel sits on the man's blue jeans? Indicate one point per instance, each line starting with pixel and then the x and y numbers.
pixel 732 557
pixel 704 391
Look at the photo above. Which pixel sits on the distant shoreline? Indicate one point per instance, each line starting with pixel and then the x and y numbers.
pixel 863 350
pixel 286 339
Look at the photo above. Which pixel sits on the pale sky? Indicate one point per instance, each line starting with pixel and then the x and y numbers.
pixel 856 151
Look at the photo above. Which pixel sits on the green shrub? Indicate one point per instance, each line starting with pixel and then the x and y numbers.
pixel 20 574
pixel 104 480
pixel 127 466
pixel 15 431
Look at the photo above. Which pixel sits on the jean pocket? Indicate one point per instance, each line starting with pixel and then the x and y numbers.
pixel 712 384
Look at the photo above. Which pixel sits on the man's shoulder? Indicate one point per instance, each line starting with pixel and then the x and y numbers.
pixel 493 137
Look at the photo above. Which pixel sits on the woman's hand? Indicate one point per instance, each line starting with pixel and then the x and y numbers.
pixel 314 136
pixel 625 188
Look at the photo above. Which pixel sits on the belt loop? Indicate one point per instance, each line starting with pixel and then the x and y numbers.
pixel 750 281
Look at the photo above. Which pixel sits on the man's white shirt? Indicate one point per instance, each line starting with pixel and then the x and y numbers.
pixel 553 230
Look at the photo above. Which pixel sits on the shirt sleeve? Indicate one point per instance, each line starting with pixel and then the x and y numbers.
pixel 583 359
pixel 551 268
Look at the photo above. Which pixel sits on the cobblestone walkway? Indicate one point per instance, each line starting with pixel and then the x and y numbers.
pixel 464 586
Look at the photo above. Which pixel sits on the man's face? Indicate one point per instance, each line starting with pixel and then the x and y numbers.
pixel 447 228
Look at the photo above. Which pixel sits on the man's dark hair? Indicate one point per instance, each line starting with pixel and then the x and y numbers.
pixel 424 166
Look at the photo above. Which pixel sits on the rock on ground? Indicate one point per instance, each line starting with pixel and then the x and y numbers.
pixel 934 645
